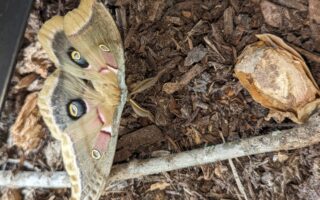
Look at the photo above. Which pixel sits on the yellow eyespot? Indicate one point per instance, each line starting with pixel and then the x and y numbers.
pixel 75 55
pixel 95 154
pixel 73 110
pixel 76 58
pixel 76 108
pixel 104 48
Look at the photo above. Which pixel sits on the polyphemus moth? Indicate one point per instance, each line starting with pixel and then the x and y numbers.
pixel 82 101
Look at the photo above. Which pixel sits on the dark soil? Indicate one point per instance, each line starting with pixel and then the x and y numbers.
pixel 176 35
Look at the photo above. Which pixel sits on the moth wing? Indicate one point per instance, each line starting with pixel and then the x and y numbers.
pixel 92 30
pixel 77 137
pixel 87 175
pixel 55 42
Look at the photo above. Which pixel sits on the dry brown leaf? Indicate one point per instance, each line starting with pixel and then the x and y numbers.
pixel 27 132
pixel 34 60
pixel 159 186
pixel 25 81
pixel 277 77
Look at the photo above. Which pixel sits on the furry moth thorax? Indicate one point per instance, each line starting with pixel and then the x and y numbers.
pixel 82 101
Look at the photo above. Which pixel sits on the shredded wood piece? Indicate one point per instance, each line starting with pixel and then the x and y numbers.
pixel 27 131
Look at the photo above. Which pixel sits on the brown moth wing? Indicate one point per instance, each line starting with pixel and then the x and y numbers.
pixel 53 39
pixel 56 43
pixel 87 28
pixel 90 26
pixel 60 88
pixel 48 37
pixel 87 175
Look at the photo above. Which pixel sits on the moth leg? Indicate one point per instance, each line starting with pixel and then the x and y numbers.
pixel 140 111
pixel 121 21
pixel 140 87
pixel 112 7
pixel 118 13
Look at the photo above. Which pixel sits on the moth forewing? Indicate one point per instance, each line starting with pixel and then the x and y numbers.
pixel 47 36
pixel 86 95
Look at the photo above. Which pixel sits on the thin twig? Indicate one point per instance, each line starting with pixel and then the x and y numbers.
pixel 25 164
pixel 213 47
pixel 235 174
pixel 294 138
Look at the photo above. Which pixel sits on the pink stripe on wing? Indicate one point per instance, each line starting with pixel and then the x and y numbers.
pixel 102 141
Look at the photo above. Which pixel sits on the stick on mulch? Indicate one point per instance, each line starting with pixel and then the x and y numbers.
pixel 299 137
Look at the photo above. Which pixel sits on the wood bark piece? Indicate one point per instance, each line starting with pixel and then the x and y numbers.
pixel 195 55
pixel 228 16
pixel 314 11
pixel 301 136
pixel 170 87
pixel 273 14
pixel 128 143
pixel 293 4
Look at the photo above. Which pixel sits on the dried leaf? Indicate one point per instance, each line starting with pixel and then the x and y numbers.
pixel 34 60
pixel 25 81
pixel 27 132
pixel 141 111
pixel 277 77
